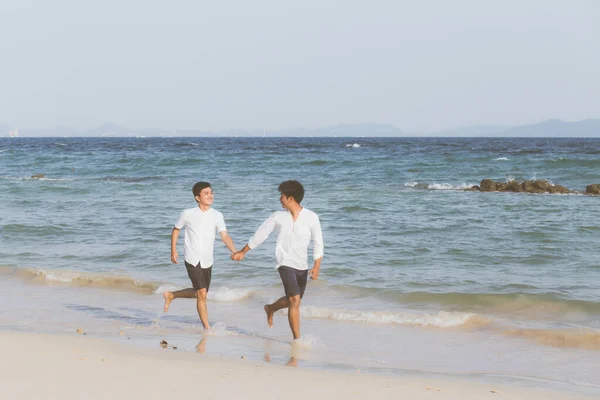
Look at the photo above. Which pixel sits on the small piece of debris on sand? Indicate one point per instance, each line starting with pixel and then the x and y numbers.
pixel 164 344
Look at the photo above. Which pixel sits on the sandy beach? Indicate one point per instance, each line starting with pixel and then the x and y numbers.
pixel 44 366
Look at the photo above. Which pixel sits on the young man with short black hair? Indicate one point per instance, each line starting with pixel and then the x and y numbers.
pixel 296 227
pixel 201 225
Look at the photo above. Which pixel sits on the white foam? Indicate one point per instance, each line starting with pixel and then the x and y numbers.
pixel 447 186
pixel 442 319
pixel 220 329
pixel 437 186
pixel 353 145
pixel 227 295
pixel 167 287
pixel 501 159
pixel 306 342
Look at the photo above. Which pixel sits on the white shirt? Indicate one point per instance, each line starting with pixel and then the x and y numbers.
pixel 200 231
pixel 291 249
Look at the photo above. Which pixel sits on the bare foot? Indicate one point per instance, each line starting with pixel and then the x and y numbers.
pixel 269 315
pixel 168 299
pixel 293 362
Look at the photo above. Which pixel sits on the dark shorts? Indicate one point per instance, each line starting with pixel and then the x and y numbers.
pixel 294 281
pixel 200 277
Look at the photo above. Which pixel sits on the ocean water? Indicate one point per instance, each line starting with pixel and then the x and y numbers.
pixel 418 275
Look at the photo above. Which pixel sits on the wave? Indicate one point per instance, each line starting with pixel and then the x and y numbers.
pixel 353 145
pixel 131 179
pixel 527 304
pixel 442 319
pixel 78 279
pixel 565 338
pixel 501 159
pixel 350 209
pixel 317 162
pixel 30 178
pixel 437 186
pixel 33 229
pixel 225 294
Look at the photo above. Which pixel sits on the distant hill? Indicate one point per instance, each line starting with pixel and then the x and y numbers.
pixel 549 128
pixel 472 131
pixel 368 130
pixel 556 128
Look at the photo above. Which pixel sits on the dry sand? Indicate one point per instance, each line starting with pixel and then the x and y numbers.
pixel 38 366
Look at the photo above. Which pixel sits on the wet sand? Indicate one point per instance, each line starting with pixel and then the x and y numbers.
pixel 74 366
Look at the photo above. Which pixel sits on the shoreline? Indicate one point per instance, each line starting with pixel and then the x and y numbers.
pixel 75 366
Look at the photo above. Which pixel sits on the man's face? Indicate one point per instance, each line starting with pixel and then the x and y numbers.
pixel 206 197
pixel 284 200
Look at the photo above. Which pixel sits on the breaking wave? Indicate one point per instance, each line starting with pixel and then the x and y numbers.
pixel 441 319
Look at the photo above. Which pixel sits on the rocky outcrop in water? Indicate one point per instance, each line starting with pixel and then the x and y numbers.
pixel 593 189
pixel 533 186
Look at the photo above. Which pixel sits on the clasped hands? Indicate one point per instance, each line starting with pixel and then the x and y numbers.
pixel 237 255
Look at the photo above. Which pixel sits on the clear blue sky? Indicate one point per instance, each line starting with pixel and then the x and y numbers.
pixel 420 65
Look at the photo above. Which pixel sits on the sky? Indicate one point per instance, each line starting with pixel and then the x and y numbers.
pixel 423 65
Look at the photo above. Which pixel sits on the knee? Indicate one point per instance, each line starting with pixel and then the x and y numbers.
pixel 294 301
pixel 201 294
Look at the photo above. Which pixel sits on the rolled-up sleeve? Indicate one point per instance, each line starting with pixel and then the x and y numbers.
pixel 317 235
pixel 263 232
pixel 181 221
pixel 221 223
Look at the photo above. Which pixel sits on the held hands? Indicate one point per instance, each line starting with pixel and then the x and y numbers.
pixel 237 256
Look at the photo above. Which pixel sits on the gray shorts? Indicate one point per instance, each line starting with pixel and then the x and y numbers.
pixel 200 277
pixel 294 280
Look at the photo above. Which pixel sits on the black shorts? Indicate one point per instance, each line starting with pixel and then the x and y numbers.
pixel 200 277
pixel 294 280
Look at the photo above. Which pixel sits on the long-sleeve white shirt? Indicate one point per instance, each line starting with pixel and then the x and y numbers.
pixel 291 249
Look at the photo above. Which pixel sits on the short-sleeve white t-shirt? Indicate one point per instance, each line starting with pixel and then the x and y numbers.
pixel 201 228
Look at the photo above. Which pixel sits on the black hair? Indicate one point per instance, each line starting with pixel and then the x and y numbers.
pixel 199 186
pixel 292 189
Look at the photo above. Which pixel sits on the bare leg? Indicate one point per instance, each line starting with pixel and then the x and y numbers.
pixel 201 305
pixel 270 309
pixel 294 315
pixel 184 293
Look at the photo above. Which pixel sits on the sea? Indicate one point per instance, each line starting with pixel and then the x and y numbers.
pixel 419 276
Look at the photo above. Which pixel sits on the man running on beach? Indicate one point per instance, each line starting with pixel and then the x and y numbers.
pixel 201 224
pixel 296 226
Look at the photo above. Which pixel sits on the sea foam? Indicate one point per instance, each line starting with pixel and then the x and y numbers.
pixel 442 319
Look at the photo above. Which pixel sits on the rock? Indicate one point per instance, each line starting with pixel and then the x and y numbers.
pixel 557 189
pixel 164 344
pixel 592 189
pixel 487 185
pixel 533 186
pixel 501 186
pixel 513 186
pixel 37 176
pixel 473 188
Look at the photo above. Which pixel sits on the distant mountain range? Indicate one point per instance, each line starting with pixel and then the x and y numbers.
pixel 549 128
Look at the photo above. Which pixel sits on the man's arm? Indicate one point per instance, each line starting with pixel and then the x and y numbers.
pixel 174 237
pixel 317 235
pixel 314 272
pixel 227 240
pixel 262 233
